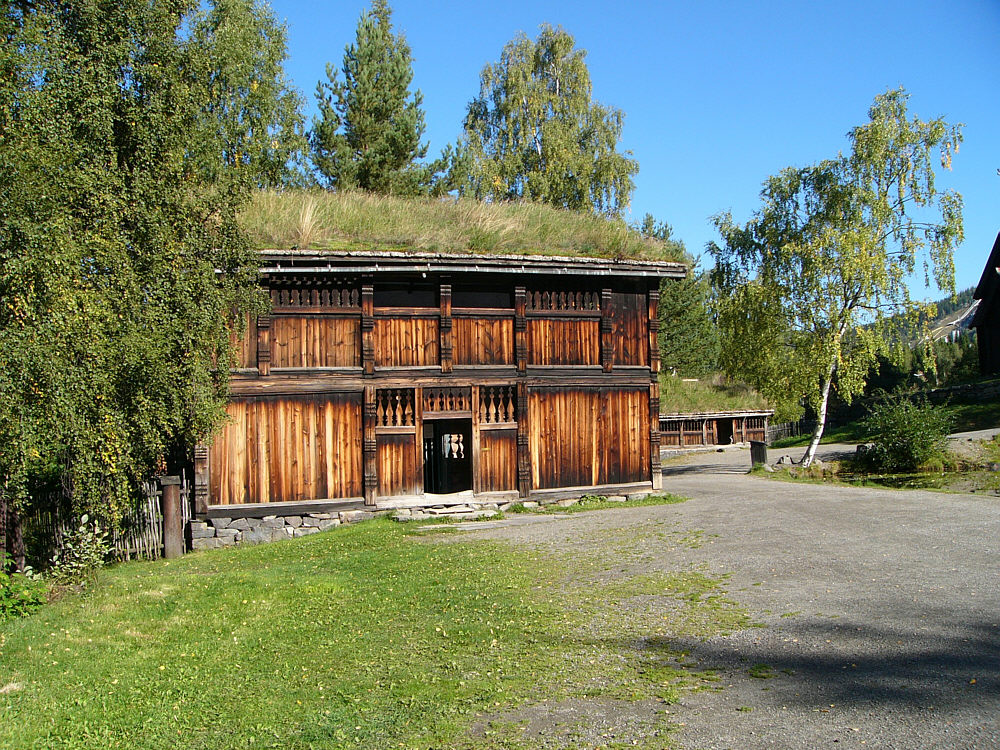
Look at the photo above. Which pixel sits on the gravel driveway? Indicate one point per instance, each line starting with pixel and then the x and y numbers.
pixel 881 608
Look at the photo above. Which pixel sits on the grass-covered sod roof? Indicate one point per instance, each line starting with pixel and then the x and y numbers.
pixel 348 221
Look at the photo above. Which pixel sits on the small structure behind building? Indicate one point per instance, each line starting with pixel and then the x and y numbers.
pixel 678 431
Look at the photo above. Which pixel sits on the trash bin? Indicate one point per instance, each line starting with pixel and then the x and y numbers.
pixel 758 452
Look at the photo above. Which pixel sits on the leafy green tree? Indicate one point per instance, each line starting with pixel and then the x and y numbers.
pixel 125 158
pixel 535 133
pixel 370 126
pixel 688 339
pixel 808 284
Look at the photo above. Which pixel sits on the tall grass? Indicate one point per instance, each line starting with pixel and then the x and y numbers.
pixel 317 219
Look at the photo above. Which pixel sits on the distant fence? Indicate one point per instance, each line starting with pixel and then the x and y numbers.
pixel 790 429
pixel 139 536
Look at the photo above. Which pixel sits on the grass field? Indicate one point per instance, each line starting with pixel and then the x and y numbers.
pixel 364 636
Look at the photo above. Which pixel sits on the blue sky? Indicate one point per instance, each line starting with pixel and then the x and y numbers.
pixel 717 95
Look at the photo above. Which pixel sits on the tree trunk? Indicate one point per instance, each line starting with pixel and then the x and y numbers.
pixel 810 453
pixel 17 538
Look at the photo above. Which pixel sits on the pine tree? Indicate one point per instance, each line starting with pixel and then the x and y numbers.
pixel 370 126
pixel 534 132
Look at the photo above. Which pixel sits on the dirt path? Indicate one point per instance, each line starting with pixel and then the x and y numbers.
pixel 881 608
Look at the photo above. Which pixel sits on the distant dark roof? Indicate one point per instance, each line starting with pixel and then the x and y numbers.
pixel 320 261
pixel 989 283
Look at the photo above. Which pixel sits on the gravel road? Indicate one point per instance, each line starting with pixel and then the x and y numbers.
pixel 881 608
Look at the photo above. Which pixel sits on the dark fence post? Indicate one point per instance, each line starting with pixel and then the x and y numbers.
pixel 173 528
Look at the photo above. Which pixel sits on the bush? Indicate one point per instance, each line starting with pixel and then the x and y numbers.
pixel 20 593
pixel 84 550
pixel 906 432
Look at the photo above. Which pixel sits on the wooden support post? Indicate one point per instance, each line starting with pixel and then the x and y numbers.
pixel 369 446
pixel 477 476
pixel 445 327
pixel 704 431
pixel 654 332
pixel 521 329
pixel 656 472
pixel 170 507
pixel 418 436
pixel 201 471
pixel 607 337
pixel 523 452
pixel 368 331
pixel 264 344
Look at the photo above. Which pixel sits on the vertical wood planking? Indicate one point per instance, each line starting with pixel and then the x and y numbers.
pixel 477 478
pixel 655 470
pixel 563 341
pixel 497 467
pixel 418 422
pixel 444 327
pixel 397 465
pixel 406 342
pixel 316 341
pixel 483 341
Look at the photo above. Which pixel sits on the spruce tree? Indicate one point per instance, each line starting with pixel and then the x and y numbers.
pixel 368 134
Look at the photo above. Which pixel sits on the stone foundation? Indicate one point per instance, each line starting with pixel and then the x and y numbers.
pixel 226 532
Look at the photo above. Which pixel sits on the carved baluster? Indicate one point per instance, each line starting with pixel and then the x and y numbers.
pixel 408 408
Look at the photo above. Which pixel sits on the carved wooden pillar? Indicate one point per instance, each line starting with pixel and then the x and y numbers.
pixel 521 329
pixel 445 328
pixel 368 427
pixel 201 469
pixel 368 330
pixel 607 339
pixel 656 472
pixel 264 344
pixel 523 452
pixel 654 332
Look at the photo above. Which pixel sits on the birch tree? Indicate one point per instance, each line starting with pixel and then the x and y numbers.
pixel 809 284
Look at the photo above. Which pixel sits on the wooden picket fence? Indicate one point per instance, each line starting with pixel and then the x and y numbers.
pixel 139 536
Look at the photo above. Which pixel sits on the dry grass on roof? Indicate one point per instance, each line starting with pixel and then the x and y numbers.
pixel 321 220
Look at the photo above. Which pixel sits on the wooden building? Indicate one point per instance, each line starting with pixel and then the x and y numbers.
pixel 713 428
pixel 393 379
pixel 987 318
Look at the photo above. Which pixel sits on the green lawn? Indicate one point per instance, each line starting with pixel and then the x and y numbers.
pixel 364 636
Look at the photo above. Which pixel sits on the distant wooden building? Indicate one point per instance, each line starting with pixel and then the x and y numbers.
pixel 713 428
pixel 987 318
pixel 387 379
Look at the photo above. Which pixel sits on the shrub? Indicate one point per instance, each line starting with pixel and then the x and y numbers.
pixel 906 433
pixel 20 593
pixel 84 550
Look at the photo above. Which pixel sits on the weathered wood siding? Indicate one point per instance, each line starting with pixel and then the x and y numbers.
pixel 315 341
pixel 246 345
pixel 399 464
pixel 564 341
pixel 406 341
pixel 497 469
pixel 588 436
pixel 483 340
pixel 629 329
pixel 288 449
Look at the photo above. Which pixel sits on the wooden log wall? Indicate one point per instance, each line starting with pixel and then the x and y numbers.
pixel 288 449
pixel 315 341
pixel 588 436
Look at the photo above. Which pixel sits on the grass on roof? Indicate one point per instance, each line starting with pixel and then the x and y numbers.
pixel 715 393
pixel 322 220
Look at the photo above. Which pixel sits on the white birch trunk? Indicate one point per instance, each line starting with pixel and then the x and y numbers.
pixel 810 454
